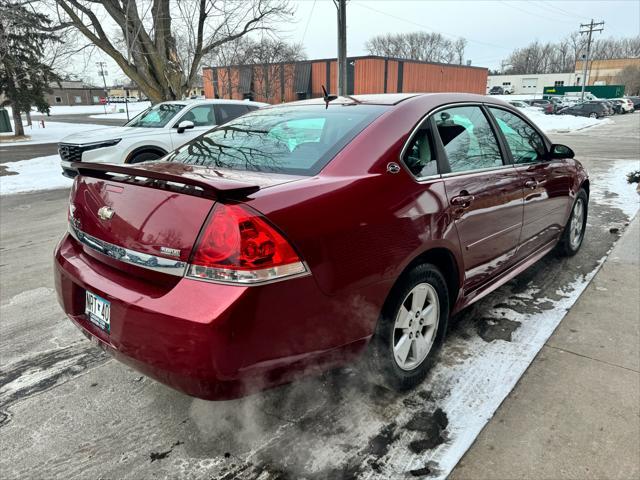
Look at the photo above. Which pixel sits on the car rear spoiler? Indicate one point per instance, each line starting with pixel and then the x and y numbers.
pixel 210 186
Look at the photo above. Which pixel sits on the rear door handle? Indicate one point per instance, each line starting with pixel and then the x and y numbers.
pixel 462 200
pixel 531 184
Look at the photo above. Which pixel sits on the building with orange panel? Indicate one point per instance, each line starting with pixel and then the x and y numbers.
pixel 285 82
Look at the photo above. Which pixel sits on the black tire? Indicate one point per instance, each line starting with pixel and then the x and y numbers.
pixel 565 247
pixel 382 361
pixel 593 115
pixel 144 156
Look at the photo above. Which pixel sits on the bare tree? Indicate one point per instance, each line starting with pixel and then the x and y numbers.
pixel 562 56
pixel 424 46
pixel 267 58
pixel 160 44
pixel 630 78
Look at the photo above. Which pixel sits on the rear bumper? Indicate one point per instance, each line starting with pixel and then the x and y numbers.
pixel 208 340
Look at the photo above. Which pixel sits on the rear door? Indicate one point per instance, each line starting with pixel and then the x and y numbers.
pixel 546 182
pixel 484 192
pixel 228 111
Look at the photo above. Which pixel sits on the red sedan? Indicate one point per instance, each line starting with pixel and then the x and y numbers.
pixel 297 237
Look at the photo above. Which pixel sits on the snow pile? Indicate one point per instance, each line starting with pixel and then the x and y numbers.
pixel 52 132
pixel 562 123
pixel 41 173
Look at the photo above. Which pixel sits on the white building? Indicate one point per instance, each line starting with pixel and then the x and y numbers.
pixel 532 83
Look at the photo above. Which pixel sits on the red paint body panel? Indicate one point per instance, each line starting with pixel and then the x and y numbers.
pixel 356 227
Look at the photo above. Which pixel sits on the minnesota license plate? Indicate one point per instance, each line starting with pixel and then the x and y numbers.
pixel 98 311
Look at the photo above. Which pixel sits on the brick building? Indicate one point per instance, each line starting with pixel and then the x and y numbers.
pixel 286 82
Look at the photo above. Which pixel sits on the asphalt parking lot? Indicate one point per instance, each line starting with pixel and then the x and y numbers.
pixel 69 411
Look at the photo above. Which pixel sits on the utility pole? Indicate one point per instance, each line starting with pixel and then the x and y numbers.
pixel 341 5
pixel 588 28
pixel 103 74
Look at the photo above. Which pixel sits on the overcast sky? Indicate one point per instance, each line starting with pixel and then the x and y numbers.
pixel 493 28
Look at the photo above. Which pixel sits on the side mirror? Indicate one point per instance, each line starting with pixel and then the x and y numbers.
pixel 559 151
pixel 185 125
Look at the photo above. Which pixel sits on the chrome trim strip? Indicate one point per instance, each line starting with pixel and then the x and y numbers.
pixel 144 260
pixel 479 170
pixel 172 267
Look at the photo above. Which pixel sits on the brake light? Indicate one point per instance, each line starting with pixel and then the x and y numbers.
pixel 239 246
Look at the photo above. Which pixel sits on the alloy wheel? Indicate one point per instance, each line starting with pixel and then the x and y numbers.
pixel 576 225
pixel 416 326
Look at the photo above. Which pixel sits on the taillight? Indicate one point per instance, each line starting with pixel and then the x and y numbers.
pixel 239 246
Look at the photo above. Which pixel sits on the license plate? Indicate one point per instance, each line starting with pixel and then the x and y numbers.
pixel 98 311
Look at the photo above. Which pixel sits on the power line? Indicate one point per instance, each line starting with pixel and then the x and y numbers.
pixel 368 7
pixel 308 21
pixel 560 10
pixel 508 4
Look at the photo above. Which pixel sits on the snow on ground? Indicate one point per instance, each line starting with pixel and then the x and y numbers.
pixel 88 109
pixel 119 111
pixel 41 173
pixel 562 123
pixel 52 132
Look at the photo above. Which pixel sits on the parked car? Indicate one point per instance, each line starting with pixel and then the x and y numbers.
pixel 609 110
pixel 524 106
pixel 587 109
pixel 496 91
pixel 299 236
pixel 546 106
pixel 625 104
pixel 151 134
pixel 636 102
pixel 559 102
pixel 132 98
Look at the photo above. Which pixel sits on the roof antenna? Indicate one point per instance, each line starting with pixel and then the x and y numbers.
pixel 327 98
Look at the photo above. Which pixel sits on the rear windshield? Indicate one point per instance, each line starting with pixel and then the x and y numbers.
pixel 157 116
pixel 299 140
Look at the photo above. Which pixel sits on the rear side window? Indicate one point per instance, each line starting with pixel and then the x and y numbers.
pixel 419 157
pixel 469 141
pixel 228 112
pixel 525 143
pixel 298 140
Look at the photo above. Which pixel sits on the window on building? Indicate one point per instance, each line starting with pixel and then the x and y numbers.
pixel 77 99
pixel 96 99
pixel 58 100
pixel 558 83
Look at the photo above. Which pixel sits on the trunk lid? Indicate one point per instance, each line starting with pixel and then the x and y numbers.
pixel 157 208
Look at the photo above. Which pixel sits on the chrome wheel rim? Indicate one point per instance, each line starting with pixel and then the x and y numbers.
pixel 416 326
pixel 576 225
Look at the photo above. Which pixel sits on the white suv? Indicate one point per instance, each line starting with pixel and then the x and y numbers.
pixel 151 134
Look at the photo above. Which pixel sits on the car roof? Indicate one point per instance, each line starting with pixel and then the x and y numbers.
pixel 214 101
pixel 392 99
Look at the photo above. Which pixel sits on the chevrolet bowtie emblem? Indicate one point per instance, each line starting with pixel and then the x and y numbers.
pixel 105 213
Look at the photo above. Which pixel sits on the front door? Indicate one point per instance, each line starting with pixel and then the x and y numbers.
pixel 203 119
pixel 546 182
pixel 484 193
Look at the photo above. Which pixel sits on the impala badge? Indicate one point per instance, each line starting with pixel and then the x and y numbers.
pixel 105 213
pixel 174 252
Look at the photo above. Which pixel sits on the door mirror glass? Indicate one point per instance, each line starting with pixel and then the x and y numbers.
pixel 561 151
pixel 185 125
